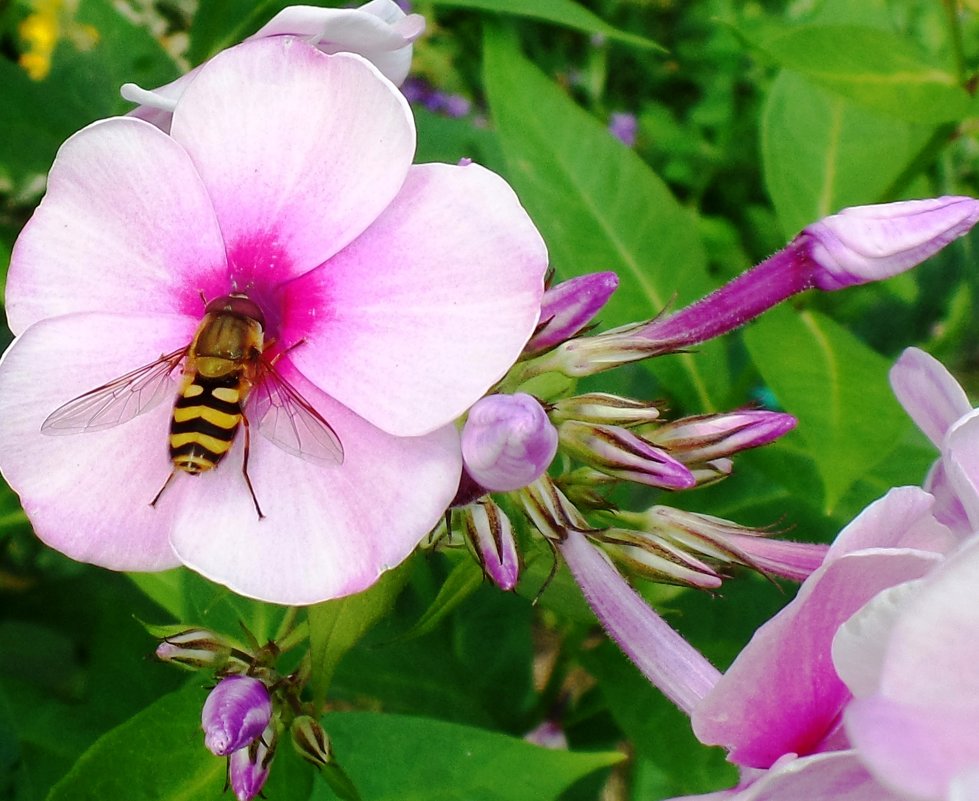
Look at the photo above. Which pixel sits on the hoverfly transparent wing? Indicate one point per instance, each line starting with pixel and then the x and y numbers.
pixel 118 401
pixel 290 421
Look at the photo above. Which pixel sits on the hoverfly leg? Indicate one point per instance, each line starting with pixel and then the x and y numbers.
pixel 244 465
pixel 165 485
pixel 282 353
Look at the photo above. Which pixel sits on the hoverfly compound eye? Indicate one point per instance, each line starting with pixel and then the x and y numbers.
pixel 238 304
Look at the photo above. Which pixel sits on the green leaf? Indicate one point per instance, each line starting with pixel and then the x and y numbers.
pixel 336 626
pixel 874 68
pixel 430 760
pixel 157 754
pixel 560 12
pixel 597 204
pixel 837 387
pixel 197 602
pixel 462 582
pixel 821 153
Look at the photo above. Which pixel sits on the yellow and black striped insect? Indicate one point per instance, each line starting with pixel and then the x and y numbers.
pixel 227 379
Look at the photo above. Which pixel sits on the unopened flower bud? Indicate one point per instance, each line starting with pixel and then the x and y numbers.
pixel 856 246
pixel 235 713
pixel 657 559
pixel 248 767
pixel 621 453
pixel 870 243
pixel 194 648
pixel 568 307
pixel 713 436
pixel 507 441
pixel 310 741
pixel 601 407
pixel 491 535
pixel 586 356
pixel 550 510
pixel 729 543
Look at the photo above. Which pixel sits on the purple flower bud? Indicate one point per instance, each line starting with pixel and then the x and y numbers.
pixel 624 127
pixel 870 243
pixel 548 734
pixel 706 437
pixel 619 452
pixel 235 713
pixel 568 307
pixel 491 535
pixel 601 407
pixel 310 741
pixel 507 441
pixel 248 767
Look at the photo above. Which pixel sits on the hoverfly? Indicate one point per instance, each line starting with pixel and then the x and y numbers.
pixel 224 367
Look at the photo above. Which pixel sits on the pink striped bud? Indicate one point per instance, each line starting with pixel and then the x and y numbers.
pixel 491 535
pixel 706 437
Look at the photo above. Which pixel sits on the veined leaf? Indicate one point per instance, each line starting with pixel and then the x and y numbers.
pixel 838 389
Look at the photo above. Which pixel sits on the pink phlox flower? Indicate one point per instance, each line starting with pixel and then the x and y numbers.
pixel 395 296
pixel 379 30
pixel 782 694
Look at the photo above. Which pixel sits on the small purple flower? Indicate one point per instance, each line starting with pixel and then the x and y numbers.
pixel 234 714
pixel 624 127
pixel 569 306
pixel 507 441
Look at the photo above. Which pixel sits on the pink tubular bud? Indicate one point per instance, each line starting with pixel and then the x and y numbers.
pixel 657 559
pixel 623 454
pixel 491 535
pixel 568 307
pixel 706 437
pixel 870 243
pixel 248 767
pixel 856 246
pixel 234 714
pixel 507 441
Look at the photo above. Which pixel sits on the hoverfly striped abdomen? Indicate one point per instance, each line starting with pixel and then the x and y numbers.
pixel 206 417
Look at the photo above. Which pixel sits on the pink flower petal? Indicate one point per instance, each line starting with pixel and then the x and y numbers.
pixel 917 751
pixel 782 694
pixel 126 226
pixel 329 530
pixel 300 152
pixel 901 519
pixel 928 393
pixel 960 458
pixel 410 324
pixel 837 776
pixel 88 494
